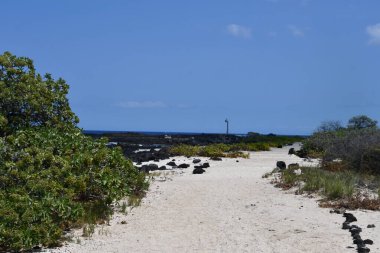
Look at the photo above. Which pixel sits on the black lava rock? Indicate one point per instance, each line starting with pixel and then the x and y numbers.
pixel 349 217
pixel 281 165
pixel 292 151
pixel 171 163
pixel 196 160
pixel 216 158
pixel 359 242
pixel 346 225
pixel 183 166
pixel 149 167
pixel 363 250
pixel 368 241
pixel 198 171
pixel 145 156
pixel 206 165
pixel 371 226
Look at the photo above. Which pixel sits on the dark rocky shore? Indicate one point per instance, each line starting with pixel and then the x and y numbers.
pixel 154 147
pixel 168 139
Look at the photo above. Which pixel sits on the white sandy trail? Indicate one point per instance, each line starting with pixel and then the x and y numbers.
pixel 230 208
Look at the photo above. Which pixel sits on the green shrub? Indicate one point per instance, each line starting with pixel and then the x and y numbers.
pixel 28 99
pixel 334 185
pixel 370 161
pixel 215 150
pixel 219 150
pixel 185 150
pixel 357 146
pixel 52 177
pixel 50 181
pixel 313 178
pixel 289 177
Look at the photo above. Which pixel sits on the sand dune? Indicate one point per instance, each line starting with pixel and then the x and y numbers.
pixel 230 208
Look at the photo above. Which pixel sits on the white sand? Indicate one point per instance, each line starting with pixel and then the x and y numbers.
pixel 230 208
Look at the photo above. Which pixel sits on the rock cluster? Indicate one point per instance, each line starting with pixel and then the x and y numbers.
pixel 355 233
pixel 151 155
pixel 150 167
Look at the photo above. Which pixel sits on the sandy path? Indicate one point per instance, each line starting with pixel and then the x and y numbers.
pixel 230 208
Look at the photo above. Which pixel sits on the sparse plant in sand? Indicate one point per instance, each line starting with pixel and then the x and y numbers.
pixel 123 207
pixel 88 230
pixel 339 189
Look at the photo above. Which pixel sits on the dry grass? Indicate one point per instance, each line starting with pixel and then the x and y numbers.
pixel 355 202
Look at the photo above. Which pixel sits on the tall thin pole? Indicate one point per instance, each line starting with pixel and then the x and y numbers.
pixel 227 124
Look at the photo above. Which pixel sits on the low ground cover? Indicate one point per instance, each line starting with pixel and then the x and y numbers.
pixel 218 150
pixel 346 189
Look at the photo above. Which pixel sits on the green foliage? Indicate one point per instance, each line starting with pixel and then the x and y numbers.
pixel 361 122
pixel 333 185
pixel 370 161
pixel 50 180
pixel 220 150
pixel 273 140
pixel 357 146
pixel 27 99
pixel 52 177
pixel 185 150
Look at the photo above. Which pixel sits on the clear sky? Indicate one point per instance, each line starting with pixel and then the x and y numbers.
pixel 279 66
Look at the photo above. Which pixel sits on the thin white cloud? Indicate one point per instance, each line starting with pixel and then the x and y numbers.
pixel 297 32
pixel 142 104
pixel 239 31
pixel 374 34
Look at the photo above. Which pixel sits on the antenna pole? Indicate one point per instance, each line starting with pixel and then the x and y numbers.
pixel 227 125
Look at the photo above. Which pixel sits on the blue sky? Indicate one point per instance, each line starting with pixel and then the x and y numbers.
pixel 279 66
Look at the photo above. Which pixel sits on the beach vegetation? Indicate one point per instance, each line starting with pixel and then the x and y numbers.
pixel 28 99
pixel 332 186
pixel 52 177
pixel 356 147
pixel 219 150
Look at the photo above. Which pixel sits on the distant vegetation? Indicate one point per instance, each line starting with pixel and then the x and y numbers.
pixel 52 177
pixel 349 172
pixel 355 147
pixel 254 142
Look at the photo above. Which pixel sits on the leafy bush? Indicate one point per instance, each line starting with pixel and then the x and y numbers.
pixel 51 180
pixel 275 140
pixel 370 161
pixel 52 177
pixel 185 150
pixel 219 150
pixel 356 147
pixel 361 122
pixel 28 100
